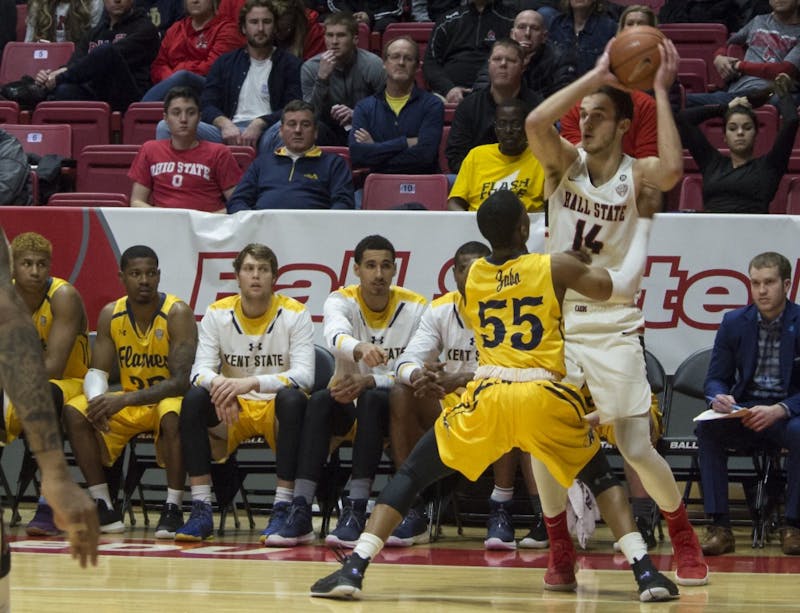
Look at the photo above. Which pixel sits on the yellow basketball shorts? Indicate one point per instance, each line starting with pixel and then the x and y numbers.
pixel 256 418
pixel 13 426
pixel 544 418
pixel 129 422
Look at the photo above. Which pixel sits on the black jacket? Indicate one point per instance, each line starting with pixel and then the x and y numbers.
pixel 460 45
pixel 134 37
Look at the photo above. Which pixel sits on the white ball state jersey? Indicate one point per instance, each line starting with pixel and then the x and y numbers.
pixel 348 322
pixel 277 348
pixel 443 334
pixel 598 220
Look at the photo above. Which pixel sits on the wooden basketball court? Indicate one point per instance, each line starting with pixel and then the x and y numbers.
pixel 234 573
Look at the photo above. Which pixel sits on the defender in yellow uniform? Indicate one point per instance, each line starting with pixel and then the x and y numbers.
pixel 152 337
pixel 513 302
pixel 59 317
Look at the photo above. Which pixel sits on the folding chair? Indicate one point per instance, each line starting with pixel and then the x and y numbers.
pixel 88 199
pixel 9 111
pixel 384 191
pixel 21 59
pixel 43 139
pixel 90 121
pixel 139 122
pixel 104 168
pixel 699 40
pixel 691 198
pixel 243 154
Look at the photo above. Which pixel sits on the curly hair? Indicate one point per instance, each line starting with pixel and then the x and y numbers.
pixel 42 17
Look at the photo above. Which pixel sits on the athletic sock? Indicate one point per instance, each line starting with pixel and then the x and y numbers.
pixel 174 496
pixel 305 489
pixel 502 494
pixel 100 492
pixel 633 547
pixel 643 507
pixel 284 494
pixel 202 493
pixel 368 546
pixel 360 488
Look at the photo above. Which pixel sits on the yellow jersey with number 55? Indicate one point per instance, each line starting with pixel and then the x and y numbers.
pixel 143 358
pixel 515 315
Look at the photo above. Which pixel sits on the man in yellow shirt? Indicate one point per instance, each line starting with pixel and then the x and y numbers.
pixel 507 165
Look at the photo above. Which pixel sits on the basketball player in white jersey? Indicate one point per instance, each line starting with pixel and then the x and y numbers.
pixel 599 199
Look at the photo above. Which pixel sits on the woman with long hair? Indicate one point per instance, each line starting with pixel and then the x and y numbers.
pixel 61 20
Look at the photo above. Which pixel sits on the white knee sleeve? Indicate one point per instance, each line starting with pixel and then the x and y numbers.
pixel 552 494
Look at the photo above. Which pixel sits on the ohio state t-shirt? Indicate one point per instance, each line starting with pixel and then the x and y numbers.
pixel 186 179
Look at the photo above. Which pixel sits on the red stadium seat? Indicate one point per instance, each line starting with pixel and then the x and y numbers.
pixel 699 40
pixel 104 168
pixel 42 139
pixel 29 58
pixel 449 112
pixel 780 202
pixel 9 111
pixel 693 75
pixel 90 121
pixel 691 198
pixel 382 191
pixel 363 36
pixel 88 199
pixel 792 196
pixel 343 152
pixel 243 154
pixel 140 121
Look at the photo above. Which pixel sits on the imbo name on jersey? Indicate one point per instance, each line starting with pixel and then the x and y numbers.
pixel 260 360
pixel 601 210
pixel 506 279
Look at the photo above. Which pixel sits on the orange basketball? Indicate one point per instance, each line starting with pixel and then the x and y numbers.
pixel 634 56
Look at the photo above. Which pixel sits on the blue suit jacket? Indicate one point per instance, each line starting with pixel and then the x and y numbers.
pixel 735 355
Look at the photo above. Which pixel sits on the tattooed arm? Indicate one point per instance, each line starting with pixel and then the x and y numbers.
pixel 23 378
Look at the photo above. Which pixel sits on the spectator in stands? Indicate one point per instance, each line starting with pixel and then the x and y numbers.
pixel 460 44
pixel 335 80
pixel 152 338
pixel 433 10
pixel 183 172
pixel 398 130
pixel 239 392
pixel 583 30
pixel 8 22
pixel 298 175
pixel 111 62
pixel 545 68
pixel 57 21
pixel 377 14
pixel 297 28
pixel 473 122
pixel 640 139
pixel 367 327
pixel 509 164
pixel 754 369
pixel 189 49
pixel 726 12
pixel 772 48
pixel 58 312
pixel 163 13
pixel 246 89
pixel 740 182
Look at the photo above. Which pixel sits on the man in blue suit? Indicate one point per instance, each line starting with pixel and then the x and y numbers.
pixel 754 376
